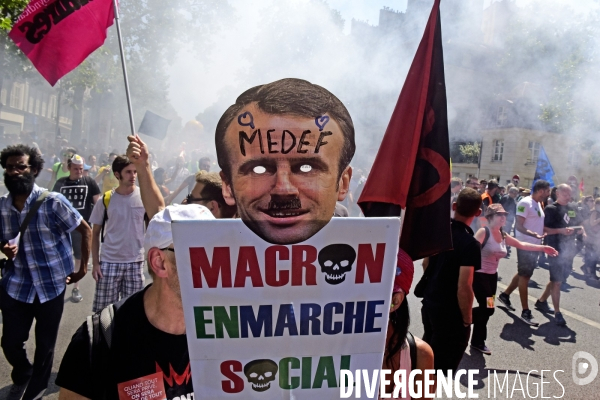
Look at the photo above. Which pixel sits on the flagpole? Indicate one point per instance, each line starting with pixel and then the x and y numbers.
pixel 479 160
pixel 129 108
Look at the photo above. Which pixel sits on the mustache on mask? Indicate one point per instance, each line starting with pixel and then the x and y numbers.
pixel 284 203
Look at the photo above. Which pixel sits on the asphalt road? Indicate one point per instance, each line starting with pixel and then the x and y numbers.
pixel 517 348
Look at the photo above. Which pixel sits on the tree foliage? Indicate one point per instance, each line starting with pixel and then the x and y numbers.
pixel 555 48
pixel 154 31
pixel 470 152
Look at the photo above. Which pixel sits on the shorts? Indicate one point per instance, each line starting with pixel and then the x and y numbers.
pixel 76 242
pixel 119 281
pixel 526 262
pixel 561 265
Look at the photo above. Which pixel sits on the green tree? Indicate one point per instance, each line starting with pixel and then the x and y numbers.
pixel 12 61
pixel 556 52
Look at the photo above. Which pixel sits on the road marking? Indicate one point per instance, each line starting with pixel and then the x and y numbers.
pixel 568 313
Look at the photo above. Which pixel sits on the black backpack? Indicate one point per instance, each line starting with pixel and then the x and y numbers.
pixel 100 327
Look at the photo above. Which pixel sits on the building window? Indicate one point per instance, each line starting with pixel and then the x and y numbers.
pixel 502 115
pixel 3 97
pixel 30 105
pixel 44 106
pixel 534 151
pixel 16 96
pixel 498 150
pixel 37 107
pixel 52 107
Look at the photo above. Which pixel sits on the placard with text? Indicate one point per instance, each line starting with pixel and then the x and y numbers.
pixel 268 321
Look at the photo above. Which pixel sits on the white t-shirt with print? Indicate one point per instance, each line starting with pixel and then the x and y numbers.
pixel 533 213
pixel 124 229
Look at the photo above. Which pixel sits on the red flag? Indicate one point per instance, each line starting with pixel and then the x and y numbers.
pixel 412 167
pixel 57 35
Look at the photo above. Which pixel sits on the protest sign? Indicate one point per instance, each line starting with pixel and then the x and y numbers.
pixel 268 321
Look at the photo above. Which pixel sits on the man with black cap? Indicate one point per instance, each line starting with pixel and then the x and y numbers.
pixel 489 196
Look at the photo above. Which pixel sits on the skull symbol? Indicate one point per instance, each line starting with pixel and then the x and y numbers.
pixel 335 261
pixel 260 373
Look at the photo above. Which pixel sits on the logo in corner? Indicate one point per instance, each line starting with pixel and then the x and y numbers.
pixel 580 368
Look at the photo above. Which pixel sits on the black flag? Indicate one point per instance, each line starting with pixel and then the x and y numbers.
pixel 412 167
pixel 154 125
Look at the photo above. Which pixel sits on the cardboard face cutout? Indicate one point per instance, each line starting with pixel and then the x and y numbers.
pixel 285 173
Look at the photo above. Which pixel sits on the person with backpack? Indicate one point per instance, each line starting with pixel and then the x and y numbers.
pixel 140 336
pixel 493 241
pixel 35 226
pixel 118 219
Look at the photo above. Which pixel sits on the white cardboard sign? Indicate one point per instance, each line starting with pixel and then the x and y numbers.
pixel 269 321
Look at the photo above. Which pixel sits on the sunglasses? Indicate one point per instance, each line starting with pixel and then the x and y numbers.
pixel 19 167
pixel 191 199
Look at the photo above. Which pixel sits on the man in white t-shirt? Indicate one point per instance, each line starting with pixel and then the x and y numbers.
pixel 529 228
pixel 119 266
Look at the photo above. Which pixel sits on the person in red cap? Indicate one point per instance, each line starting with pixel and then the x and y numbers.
pixel 493 241
pixel 400 343
pixel 516 179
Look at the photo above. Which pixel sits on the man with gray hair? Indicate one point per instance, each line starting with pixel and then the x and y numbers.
pixel 149 324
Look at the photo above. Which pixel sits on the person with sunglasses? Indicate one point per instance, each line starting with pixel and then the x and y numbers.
pixel 34 282
pixel 208 192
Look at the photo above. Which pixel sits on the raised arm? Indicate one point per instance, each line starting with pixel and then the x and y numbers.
pixel 174 194
pixel 153 201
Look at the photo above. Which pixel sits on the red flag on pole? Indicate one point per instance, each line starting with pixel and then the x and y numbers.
pixel 57 35
pixel 412 167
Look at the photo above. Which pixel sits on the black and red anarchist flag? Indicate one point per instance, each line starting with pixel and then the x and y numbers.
pixel 412 167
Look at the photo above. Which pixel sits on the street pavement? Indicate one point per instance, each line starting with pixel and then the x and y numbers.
pixel 518 349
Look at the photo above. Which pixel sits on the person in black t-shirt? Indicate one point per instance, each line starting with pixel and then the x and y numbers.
pixel 148 334
pixel 82 192
pixel 448 296
pixel 561 221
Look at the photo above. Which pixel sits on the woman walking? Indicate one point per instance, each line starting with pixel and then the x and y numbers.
pixel 493 248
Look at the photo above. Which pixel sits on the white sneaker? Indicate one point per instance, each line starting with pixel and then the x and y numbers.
pixel 76 296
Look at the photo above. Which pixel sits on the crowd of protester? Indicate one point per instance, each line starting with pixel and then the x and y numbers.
pixel 117 206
